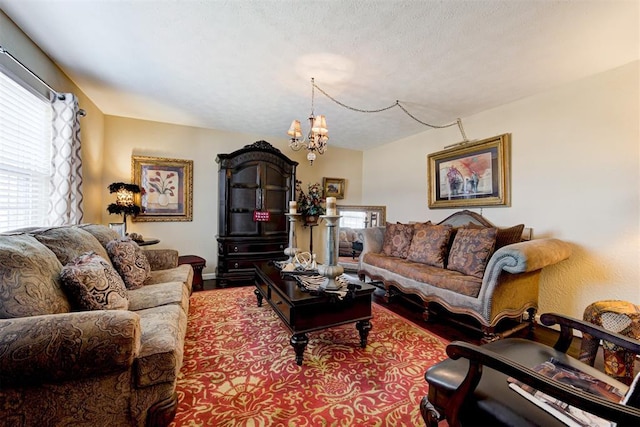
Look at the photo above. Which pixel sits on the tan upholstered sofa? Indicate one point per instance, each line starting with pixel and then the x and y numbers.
pixel 457 265
pixel 115 364
pixel 347 237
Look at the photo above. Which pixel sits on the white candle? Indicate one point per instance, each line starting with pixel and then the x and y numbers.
pixel 331 205
pixel 293 207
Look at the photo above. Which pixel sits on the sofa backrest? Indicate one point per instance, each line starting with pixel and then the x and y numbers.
pixel 69 242
pixel 29 278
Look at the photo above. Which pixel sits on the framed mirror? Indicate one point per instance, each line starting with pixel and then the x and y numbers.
pixel 359 216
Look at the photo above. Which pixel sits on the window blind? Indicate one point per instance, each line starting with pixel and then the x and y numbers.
pixel 25 156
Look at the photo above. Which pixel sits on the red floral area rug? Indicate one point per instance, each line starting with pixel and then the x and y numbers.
pixel 239 368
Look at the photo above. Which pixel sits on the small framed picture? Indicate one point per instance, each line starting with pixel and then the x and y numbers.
pixel 333 187
pixel 118 227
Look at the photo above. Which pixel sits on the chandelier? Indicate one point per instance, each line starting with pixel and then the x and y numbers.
pixel 316 140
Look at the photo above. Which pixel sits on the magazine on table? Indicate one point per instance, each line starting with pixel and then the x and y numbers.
pixel 568 414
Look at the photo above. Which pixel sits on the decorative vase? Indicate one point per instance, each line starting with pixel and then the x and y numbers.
pixel 163 199
pixel 311 219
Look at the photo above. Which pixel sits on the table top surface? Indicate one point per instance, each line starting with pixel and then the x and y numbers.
pixel 289 288
pixel 148 241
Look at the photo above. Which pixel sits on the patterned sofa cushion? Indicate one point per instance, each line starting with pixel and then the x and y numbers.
pixel 506 236
pixel 157 295
pixel 93 284
pixel 29 278
pixel 129 261
pixel 182 273
pixel 161 353
pixel 434 276
pixel 397 239
pixel 429 244
pixel 471 250
pixel 69 242
pixel 101 232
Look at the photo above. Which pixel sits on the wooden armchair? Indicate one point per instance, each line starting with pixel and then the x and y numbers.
pixel 472 387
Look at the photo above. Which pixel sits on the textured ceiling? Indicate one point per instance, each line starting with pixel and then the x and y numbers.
pixel 246 65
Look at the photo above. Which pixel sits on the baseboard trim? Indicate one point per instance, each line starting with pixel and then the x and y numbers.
pixel 208 276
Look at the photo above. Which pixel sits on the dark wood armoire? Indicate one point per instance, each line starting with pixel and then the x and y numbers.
pixel 255 185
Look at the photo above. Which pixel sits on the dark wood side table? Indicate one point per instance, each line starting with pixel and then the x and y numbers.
pixel 148 241
pixel 197 263
pixel 303 312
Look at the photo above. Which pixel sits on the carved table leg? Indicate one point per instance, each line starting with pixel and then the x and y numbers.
pixel 258 296
pixel 299 343
pixel 364 326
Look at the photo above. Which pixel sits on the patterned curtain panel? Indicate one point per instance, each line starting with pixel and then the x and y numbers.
pixel 65 201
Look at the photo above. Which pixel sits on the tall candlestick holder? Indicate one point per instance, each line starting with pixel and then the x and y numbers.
pixel 330 269
pixel 293 249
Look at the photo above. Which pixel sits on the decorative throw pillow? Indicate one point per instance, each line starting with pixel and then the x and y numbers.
pixel 69 242
pixel 93 284
pixel 397 239
pixel 505 236
pixel 429 244
pixel 129 261
pixel 30 276
pixel 471 250
pixel 508 236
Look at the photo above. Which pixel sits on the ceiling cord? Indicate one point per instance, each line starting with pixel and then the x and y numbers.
pixel 458 121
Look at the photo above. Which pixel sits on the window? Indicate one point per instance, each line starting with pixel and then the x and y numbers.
pixel 25 156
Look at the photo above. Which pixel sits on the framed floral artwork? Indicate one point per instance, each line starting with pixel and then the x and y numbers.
pixel 166 188
pixel 333 187
pixel 472 174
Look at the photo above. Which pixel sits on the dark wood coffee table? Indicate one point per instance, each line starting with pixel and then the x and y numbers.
pixel 303 312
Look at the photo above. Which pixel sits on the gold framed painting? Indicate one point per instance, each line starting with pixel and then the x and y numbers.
pixel 166 188
pixel 474 174
pixel 333 187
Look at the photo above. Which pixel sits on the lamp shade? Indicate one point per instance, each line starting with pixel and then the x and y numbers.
pixel 320 125
pixel 295 131
pixel 124 197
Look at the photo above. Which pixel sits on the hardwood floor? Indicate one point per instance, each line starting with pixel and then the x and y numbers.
pixel 447 329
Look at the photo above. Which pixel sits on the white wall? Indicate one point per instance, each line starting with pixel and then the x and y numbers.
pixel 125 137
pixel 575 176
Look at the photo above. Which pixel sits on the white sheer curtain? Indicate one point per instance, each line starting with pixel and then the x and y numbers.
pixel 65 201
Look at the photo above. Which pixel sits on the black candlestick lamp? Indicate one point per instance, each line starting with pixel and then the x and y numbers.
pixel 125 202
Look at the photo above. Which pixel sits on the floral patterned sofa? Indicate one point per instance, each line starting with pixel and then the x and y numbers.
pixel 465 264
pixel 92 328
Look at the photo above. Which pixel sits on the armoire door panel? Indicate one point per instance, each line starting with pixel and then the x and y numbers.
pixel 242 224
pixel 243 199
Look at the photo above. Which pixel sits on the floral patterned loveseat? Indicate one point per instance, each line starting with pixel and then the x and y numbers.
pixel 92 328
pixel 465 264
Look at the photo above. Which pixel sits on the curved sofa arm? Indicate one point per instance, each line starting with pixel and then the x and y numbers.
pixel 58 347
pixel 161 259
pixel 372 239
pixel 529 256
